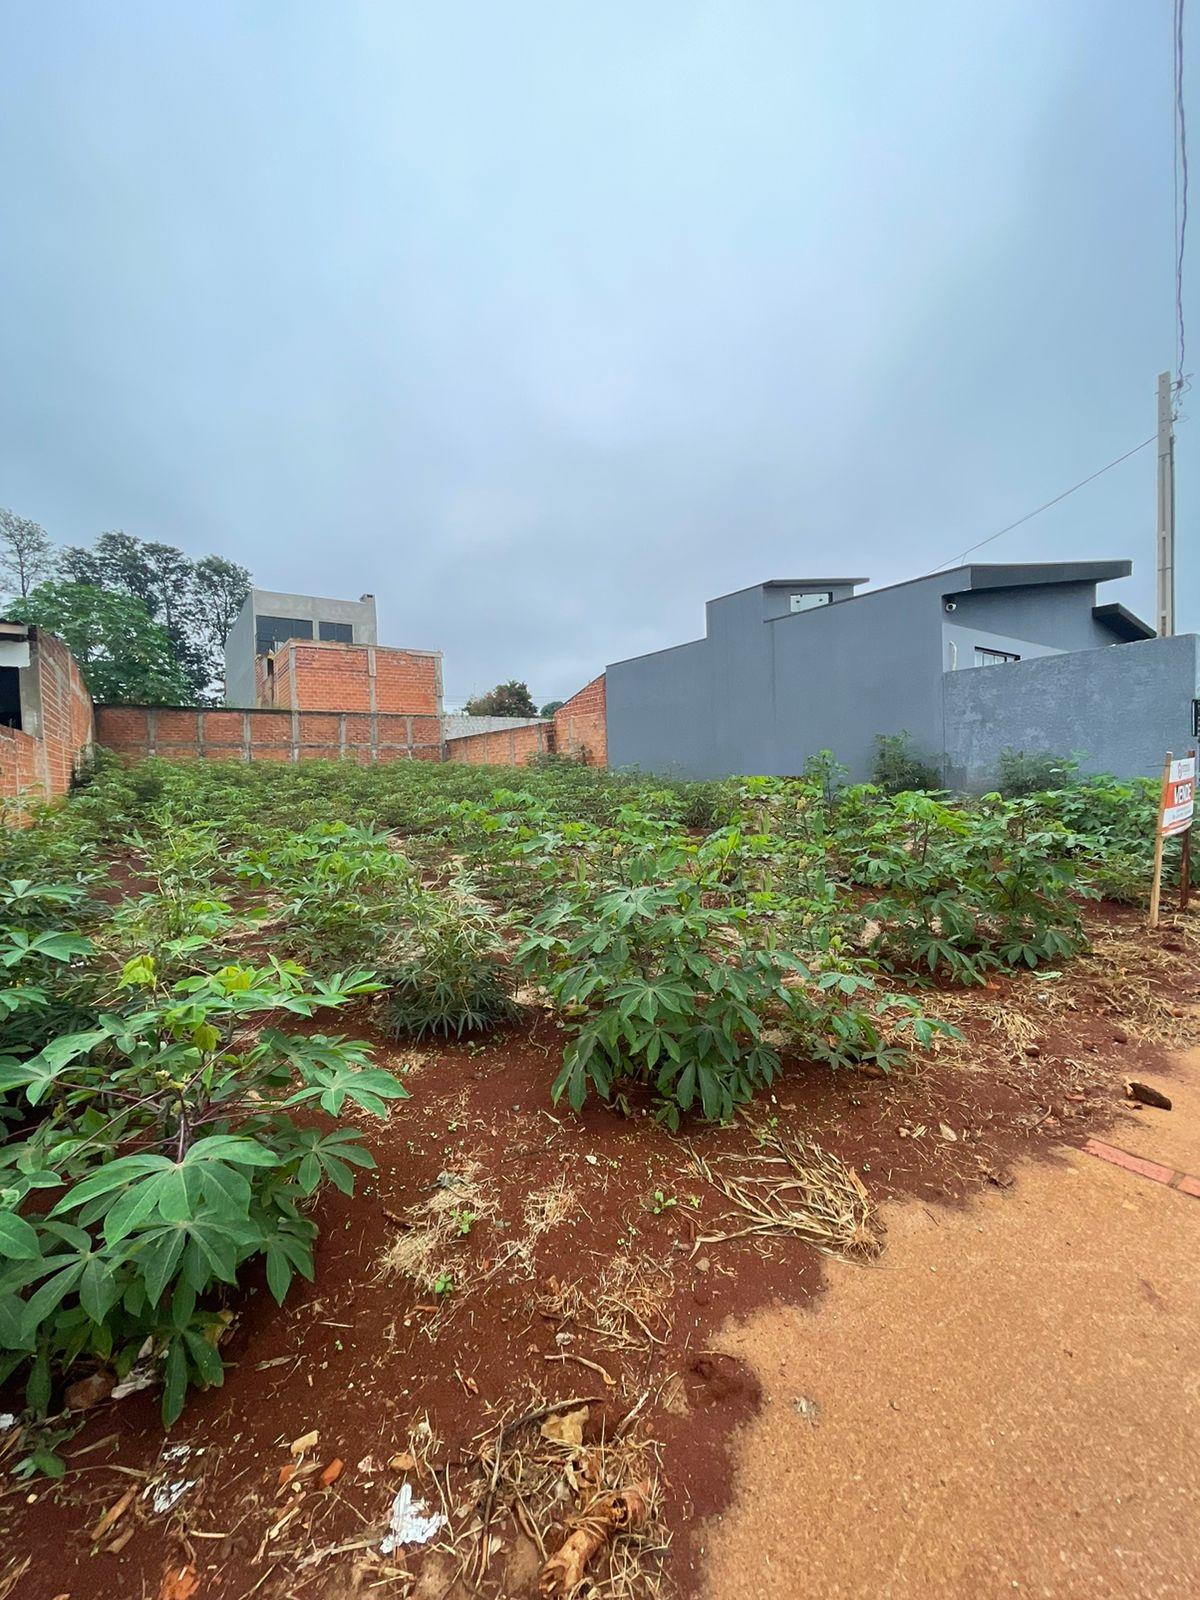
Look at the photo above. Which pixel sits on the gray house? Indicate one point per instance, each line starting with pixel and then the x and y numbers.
pixel 268 617
pixel 967 662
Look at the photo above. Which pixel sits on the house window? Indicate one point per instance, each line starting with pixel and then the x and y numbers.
pixel 992 658
pixel 810 602
pixel 337 632
pixel 272 631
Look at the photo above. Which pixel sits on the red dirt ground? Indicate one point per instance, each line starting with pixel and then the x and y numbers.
pixel 362 1356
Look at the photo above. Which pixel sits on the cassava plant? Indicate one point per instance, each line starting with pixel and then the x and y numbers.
pixel 442 973
pixel 159 1155
pixel 660 990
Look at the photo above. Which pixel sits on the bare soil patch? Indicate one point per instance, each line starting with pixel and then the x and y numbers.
pixel 508 1257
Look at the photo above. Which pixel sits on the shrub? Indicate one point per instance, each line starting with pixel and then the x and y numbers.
pixel 898 767
pixel 1019 774
pixel 963 891
pixel 442 975
pixel 635 980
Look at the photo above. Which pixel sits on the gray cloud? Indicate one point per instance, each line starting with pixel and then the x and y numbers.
pixel 546 323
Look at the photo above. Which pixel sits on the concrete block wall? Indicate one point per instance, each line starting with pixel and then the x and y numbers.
pixel 1119 710
pixel 40 760
pixel 181 733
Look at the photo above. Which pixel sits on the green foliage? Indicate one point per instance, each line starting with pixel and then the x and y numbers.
pixel 551 707
pixel 165 1127
pixel 1019 774
pixel 647 999
pixel 162 1136
pixel 898 767
pixel 194 602
pixel 26 555
pixel 965 891
pixel 511 699
pixel 122 653
pixel 442 973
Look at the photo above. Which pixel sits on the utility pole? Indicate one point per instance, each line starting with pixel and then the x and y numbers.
pixel 1165 617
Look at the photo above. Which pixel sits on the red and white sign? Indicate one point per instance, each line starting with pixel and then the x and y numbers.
pixel 1179 797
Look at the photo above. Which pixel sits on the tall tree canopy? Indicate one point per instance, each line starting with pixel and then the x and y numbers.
pixel 195 602
pixel 511 699
pixel 122 653
pixel 26 554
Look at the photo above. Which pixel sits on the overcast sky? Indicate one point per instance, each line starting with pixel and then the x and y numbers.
pixel 548 321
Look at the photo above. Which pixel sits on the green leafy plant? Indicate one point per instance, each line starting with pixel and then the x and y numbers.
pixel 899 767
pixel 441 972
pixel 163 1137
pixel 1019 774
pixel 648 1000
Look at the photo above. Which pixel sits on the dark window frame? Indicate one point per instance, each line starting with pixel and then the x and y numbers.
pixel 278 629
pixel 335 632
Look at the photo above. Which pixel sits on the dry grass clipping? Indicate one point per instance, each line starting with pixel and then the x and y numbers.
pixel 422 1250
pixel 793 1188
pixel 535 1489
pixel 1123 975
pixel 626 1308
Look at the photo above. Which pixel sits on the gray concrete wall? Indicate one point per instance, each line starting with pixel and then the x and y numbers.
pixel 458 724
pixel 1120 709
pixel 863 667
pixel 1057 616
pixel 660 712
pixel 319 608
pixel 767 688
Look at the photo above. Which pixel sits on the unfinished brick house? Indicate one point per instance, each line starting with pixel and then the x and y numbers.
pixel 46 718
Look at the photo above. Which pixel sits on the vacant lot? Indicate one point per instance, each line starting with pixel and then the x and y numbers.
pixel 401 1137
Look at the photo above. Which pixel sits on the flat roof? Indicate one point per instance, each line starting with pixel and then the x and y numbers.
pixel 816 583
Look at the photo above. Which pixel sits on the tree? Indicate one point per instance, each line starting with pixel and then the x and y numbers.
pixel 122 653
pixel 511 699
pixel 221 590
pixel 26 554
pixel 551 707
pixel 223 587
pixel 195 602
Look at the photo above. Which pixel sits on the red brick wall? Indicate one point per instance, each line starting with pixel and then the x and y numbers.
pixel 506 747
pixel 41 761
pixel 581 725
pixel 20 767
pixel 326 676
pixel 180 734
pixel 579 730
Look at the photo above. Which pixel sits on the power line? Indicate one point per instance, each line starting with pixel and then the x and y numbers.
pixel 1181 196
pixel 1029 515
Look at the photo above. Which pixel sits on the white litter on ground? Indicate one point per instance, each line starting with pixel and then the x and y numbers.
pixel 141 1375
pixel 168 1492
pixel 7 1420
pixel 410 1524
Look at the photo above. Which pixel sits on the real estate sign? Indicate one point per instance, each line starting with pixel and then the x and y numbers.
pixel 1179 797
pixel 1176 805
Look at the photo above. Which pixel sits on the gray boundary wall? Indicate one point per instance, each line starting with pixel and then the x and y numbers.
pixel 1118 709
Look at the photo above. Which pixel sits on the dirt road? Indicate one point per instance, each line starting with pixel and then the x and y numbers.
pixel 1007 1404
